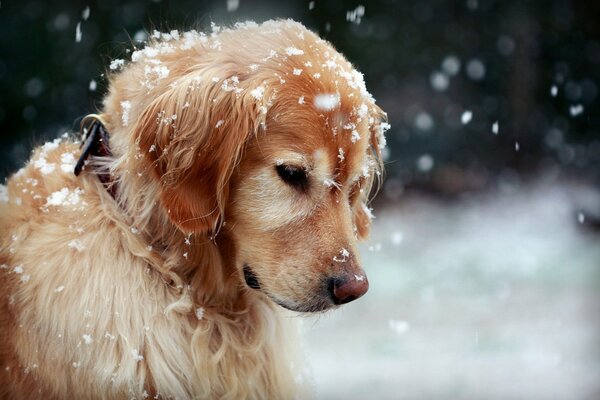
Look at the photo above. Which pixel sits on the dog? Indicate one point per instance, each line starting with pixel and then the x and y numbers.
pixel 224 180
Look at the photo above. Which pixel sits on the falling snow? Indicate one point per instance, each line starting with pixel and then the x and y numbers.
pixel 78 32
pixel 355 15
pixel 425 163
pixel 466 117
pixel 232 5
pixel 576 110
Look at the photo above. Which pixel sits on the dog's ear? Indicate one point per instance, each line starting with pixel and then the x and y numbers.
pixel 377 127
pixel 192 136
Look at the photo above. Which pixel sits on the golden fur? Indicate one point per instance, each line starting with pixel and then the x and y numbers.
pixel 145 295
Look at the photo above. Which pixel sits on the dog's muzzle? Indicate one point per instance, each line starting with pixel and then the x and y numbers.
pixel 251 279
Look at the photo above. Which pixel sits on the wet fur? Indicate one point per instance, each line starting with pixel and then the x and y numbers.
pixel 145 296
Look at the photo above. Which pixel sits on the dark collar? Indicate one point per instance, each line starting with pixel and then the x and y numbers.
pixel 96 144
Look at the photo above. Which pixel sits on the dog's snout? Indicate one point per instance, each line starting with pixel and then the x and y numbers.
pixel 345 289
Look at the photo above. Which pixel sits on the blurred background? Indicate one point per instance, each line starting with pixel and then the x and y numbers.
pixel 485 260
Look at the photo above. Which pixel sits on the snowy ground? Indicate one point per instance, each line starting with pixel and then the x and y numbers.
pixel 493 297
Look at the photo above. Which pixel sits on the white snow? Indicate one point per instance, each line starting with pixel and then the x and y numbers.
pixel 362 110
pixel 258 92
pixel 367 211
pixel 59 289
pixel 44 166
pixel 439 81
pixel 311 5
pixel 355 136
pixel 18 269
pixel 85 14
pixel 199 313
pixel 125 109
pixel 219 123
pixel 476 69
pixel 297 71
pixel 466 117
pixel 78 32
pixel 576 109
pixel 64 197
pixel 424 121
pixel 77 245
pixel 293 51
pixel 116 64
pixel 67 162
pixel 397 238
pixel 232 5
pixel 580 217
pixel 355 15
pixel 343 256
pixel 326 102
pixel 399 326
pixel 451 65
pixel 3 194
pixel 495 128
pixel 381 130
pixel 553 90
pixel 301 100
pixel 87 339
pixel 136 355
pixel 425 163
pixel 93 85
pixel 341 154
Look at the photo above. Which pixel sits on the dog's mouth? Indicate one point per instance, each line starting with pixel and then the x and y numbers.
pixel 317 303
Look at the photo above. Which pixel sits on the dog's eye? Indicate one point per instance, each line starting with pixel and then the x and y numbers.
pixel 293 176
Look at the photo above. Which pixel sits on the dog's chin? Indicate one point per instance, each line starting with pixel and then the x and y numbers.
pixel 312 307
pixel 316 305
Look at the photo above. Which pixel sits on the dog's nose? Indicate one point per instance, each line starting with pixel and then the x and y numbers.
pixel 344 290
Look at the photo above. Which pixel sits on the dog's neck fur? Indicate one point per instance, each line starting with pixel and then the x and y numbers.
pixel 201 262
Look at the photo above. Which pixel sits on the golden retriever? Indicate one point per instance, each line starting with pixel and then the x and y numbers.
pixel 232 184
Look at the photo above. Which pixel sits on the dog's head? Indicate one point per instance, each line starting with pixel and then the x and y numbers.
pixel 268 137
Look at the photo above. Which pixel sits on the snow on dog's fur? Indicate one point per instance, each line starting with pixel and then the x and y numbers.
pixel 242 162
